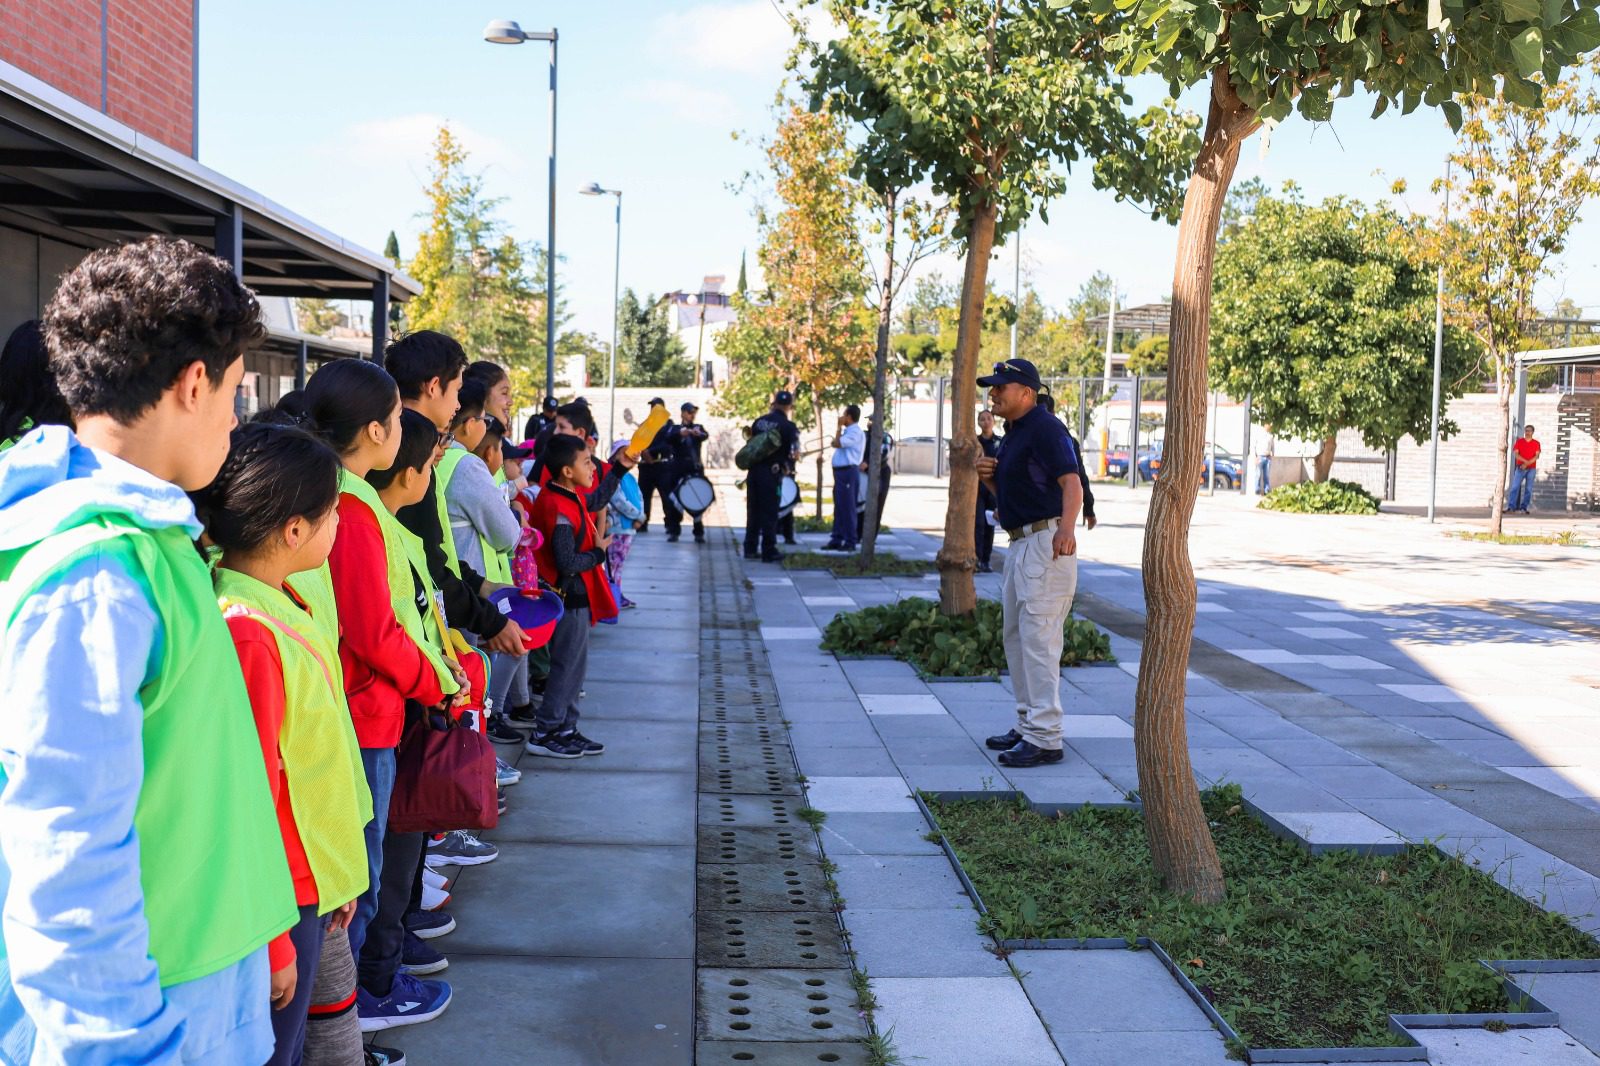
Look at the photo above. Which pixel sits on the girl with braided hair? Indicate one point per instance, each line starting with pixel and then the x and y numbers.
pixel 272 513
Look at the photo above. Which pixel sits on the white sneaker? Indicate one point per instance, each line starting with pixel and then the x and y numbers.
pixel 433 898
pixel 434 879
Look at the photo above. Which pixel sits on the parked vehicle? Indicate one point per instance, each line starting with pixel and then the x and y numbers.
pixel 1228 474
pixel 1117 462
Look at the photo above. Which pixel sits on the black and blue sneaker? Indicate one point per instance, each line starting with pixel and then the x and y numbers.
pixel 578 740
pixel 553 746
pixel 419 959
pixel 429 924
pixel 411 1001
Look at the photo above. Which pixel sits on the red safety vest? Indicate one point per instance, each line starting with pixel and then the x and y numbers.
pixel 556 502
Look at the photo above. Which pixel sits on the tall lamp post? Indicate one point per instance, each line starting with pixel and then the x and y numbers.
pixel 594 189
pixel 505 31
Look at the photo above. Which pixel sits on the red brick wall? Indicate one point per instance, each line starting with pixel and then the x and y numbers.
pixel 147 80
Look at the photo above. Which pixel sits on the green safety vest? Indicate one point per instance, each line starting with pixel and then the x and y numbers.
pixel 403 552
pixel 496 565
pixel 215 882
pixel 327 786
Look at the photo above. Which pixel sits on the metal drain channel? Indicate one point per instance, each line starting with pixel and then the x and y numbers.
pixel 773 974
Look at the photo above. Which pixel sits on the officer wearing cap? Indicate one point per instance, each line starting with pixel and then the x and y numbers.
pixel 766 478
pixel 541 419
pixel 1034 479
pixel 655 469
pixel 683 443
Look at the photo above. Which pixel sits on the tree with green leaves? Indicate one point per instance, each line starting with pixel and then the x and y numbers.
pixel 1519 178
pixel 316 315
pixel 980 98
pixel 1261 60
pixel 391 249
pixel 650 353
pixel 1323 315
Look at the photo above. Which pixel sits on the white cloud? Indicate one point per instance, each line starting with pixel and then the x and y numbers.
pixel 689 103
pixel 748 37
pixel 407 141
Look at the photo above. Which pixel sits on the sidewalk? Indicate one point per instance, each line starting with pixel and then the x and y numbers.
pixel 1288 695
pixel 576 946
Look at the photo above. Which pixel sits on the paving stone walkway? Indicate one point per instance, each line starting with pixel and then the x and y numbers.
pixel 1277 704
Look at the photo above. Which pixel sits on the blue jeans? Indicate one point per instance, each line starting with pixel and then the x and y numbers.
pixel 1262 481
pixel 846 486
pixel 379 765
pixel 1521 488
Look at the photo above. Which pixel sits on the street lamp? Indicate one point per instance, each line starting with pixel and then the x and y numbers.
pixel 505 31
pixel 594 189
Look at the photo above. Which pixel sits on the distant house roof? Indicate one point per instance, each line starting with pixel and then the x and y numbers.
pixel 1145 318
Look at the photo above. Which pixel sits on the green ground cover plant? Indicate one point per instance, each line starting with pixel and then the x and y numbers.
pixel 1321 497
pixel 966 646
pixel 810 523
pixel 1305 951
pixel 884 564
pixel 1566 537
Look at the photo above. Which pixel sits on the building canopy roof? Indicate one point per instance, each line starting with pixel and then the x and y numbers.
pixel 71 174
pixel 1145 318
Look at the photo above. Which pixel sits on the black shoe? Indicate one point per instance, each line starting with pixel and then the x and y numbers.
pixel 672 538
pixel 700 538
pixel 501 731
pixel 790 541
pixel 1028 754
pixel 524 713
pixel 383 1056
pixel 500 800
pixel 1004 742
pixel 578 740
pixel 833 546
pixel 429 924
pixel 419 959
pixel 644 527
pixel 985 568
pixel 752 556
pixel 552 746
pixel 775 557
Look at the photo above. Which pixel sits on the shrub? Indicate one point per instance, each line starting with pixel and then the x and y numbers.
pixel 970 646
pixel 1324 497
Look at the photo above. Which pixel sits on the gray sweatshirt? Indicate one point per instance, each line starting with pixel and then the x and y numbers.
pixel 477 507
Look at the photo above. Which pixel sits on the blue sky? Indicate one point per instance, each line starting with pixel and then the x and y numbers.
pixel 329 109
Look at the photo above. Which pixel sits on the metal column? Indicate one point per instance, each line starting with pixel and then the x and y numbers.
pixel 938 431
pixel 300 365
pixel 229 242
pixel 380 317
pixel 1133 437
pixel 1244 452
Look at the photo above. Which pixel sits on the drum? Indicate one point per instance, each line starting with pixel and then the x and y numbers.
pixel 694 494
pixel 788 496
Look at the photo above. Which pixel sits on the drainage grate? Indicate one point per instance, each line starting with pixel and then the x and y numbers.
pixel 746 844
pixel 749 810
pixel 810 1005
pixel 745 733
pixel 751 781
pixel 762 886
pixel 754 1053
pixel 774 940
pixel 727 753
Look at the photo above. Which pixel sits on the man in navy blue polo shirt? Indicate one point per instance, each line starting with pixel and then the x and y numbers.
pixel 1035 483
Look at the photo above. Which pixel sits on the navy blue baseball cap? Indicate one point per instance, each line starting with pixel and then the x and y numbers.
pixel 1013 371
pixel 783 398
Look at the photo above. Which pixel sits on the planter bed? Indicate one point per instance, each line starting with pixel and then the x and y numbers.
pixel 1310 953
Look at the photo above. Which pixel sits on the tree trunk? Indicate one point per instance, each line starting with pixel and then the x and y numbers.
pixel 1322 465
pixel 1502 453
pixel 1181 847
pixel 819 459
pixel 880 374
pixel 957 559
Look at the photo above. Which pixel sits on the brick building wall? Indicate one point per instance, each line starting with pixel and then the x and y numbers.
pixel 133 60
pixel 1568 426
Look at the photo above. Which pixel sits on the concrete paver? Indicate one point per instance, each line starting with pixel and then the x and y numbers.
pixel 975 1021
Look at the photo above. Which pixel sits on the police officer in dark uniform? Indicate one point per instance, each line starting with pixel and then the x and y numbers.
pixel 655 470
pixel 765 480
pixel 883 478
pixel 683 442
pixel 541 420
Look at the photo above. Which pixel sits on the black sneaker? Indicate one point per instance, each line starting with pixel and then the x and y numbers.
pixel 833 546
pixel 501 731
pixel 752 556
pixel 552 746
pixel 525 713
pixel 775 557
pixel 790 541
pixel 429 924
pixel 577 739
pixel 1004 742
pixel 383 1056
pixel 419 959
pixel 500 800
pixel 672 538
pixel 1026 754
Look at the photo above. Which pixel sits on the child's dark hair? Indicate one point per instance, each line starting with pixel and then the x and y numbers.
pixel 28 393
pixel 579 416
pixel 273 473
pixel 418 438
pixel 341 400
pixel 125 322
pixel 470 400
pixel 490 374
pixel 562 451
pixel 418 358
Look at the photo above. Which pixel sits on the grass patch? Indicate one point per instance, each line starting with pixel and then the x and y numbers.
pixel 1567 537
pixel 884 564
pixel 810 523
pixel 1324 497
pixel 915 631
pixel 1306 951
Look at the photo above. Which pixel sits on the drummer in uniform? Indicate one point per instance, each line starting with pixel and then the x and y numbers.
pixel 766 478
pixel 655 470
pixel 682 445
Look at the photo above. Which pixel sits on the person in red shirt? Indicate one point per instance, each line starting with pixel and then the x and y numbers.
pixel 1524 468
pixel 272 511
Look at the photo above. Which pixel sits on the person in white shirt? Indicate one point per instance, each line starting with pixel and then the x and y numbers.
pixel 849 448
